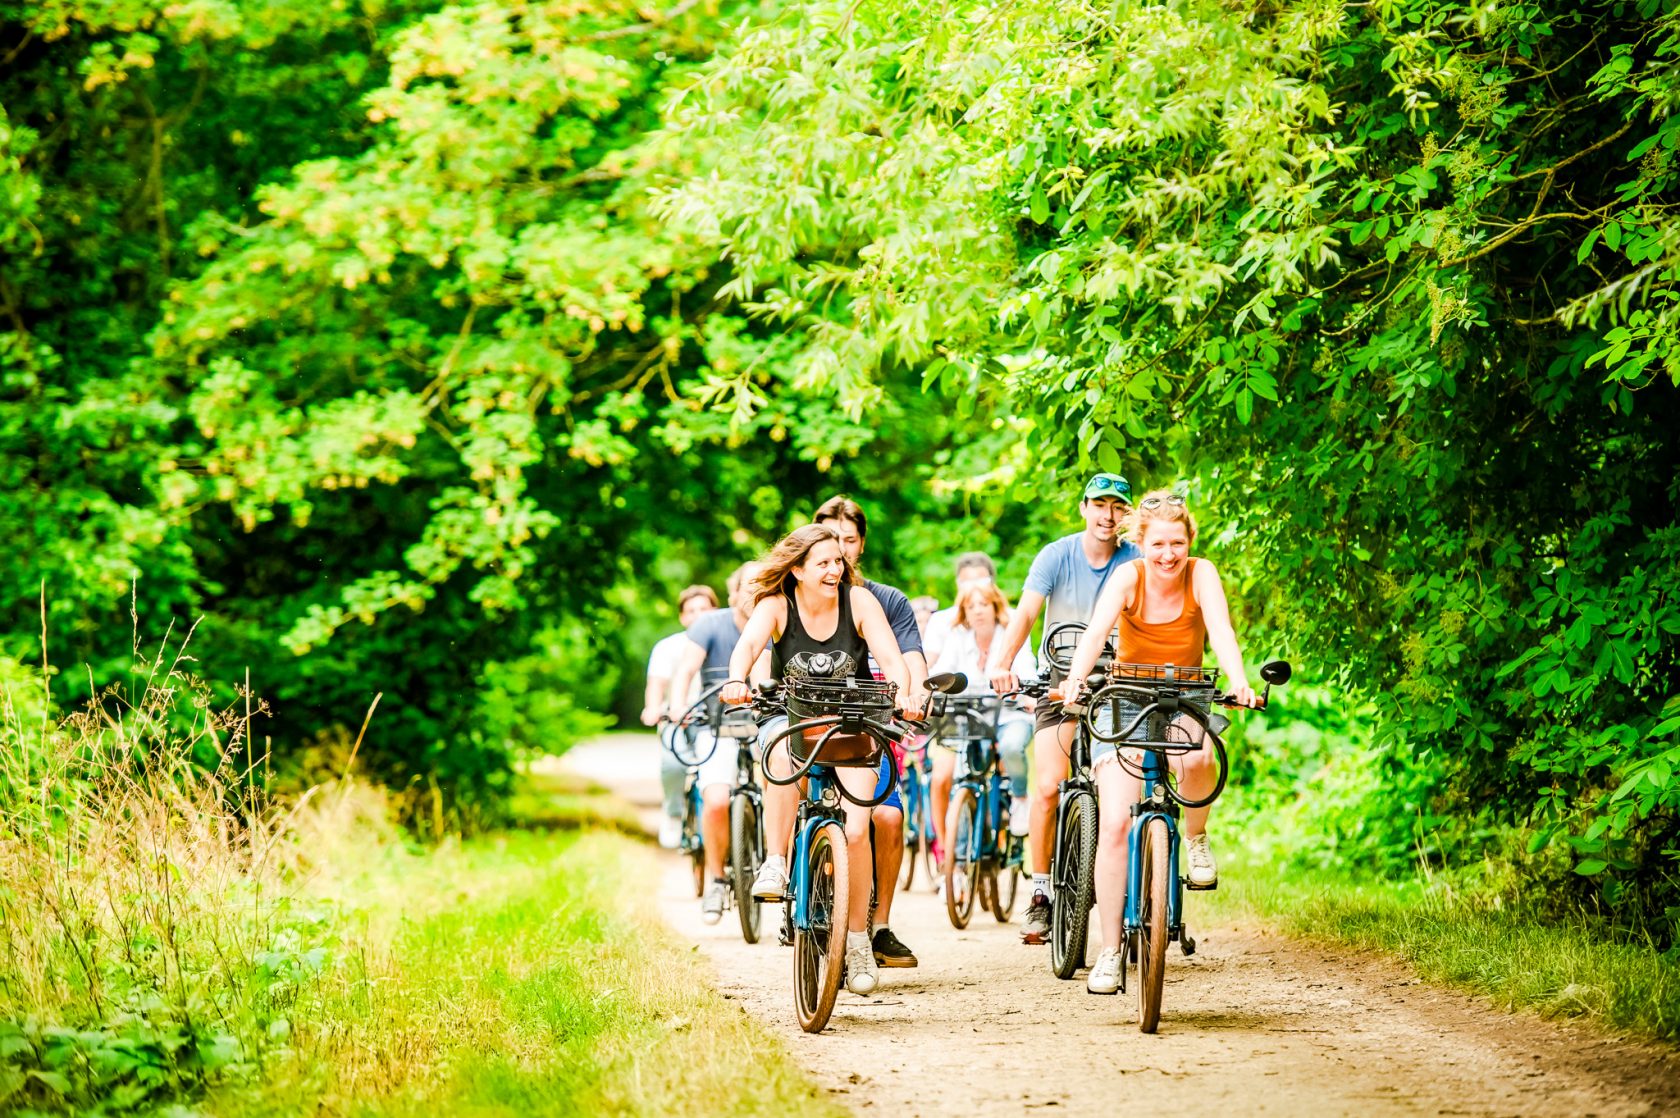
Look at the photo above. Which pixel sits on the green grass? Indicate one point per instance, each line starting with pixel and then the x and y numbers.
pixel 527 976
pixel 1560 968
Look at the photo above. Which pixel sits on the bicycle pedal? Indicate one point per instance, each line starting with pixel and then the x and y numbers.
pixel 1187 943
pixel 1194 888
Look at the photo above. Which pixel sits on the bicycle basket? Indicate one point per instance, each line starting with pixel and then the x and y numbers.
pixel 1155 675
pixel 840 708
pixel 737 724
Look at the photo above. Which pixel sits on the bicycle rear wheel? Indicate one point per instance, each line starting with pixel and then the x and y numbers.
pixel 1074 880
pixel 746 852
pixel 819 948
pixel 1007 881
pixel 915 834
pixel 694 844
pixel 1152 934
pixel 962 827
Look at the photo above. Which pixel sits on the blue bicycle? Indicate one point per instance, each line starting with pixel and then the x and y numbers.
pixel 1154 909
pixel 833 723
pixel 916 789
pixel 984 854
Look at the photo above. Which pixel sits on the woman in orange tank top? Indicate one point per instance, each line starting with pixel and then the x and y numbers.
pixel 1167 606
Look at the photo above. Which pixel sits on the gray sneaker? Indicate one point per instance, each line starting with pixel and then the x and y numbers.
pixel 711 905
pixel 1037 926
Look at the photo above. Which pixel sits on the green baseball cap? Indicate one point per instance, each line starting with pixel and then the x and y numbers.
pixel 1108 485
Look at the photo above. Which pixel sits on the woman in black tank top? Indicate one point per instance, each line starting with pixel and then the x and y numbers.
pixel 817 620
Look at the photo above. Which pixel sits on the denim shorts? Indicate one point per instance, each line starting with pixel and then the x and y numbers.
pixel 767 734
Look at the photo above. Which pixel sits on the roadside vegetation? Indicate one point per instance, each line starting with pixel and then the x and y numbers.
pixel 169 937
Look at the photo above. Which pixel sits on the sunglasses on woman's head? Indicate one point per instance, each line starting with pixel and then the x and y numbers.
pixel 1157 502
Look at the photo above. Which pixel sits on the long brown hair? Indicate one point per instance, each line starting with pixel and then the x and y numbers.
pixel 775 574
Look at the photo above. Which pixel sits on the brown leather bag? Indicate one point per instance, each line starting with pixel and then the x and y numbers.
pixel 842 750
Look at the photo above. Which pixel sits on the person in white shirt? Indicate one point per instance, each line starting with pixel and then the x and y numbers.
pixel 982 612
pixel 692 604
pixel 974 568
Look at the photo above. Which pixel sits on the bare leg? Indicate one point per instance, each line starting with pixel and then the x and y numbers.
pixel 944 765
pixel 889 856
pixel 1117 790
pixel 714 827
pixel 1196 775
pixel 1050 768
pixel 781 804
pixel 861 866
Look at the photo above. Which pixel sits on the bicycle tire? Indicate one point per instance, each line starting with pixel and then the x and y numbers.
pixel 746 853
pixel 1152 930
pixel 913 834
pixel 694 842
pixel 962 825
pixel 1074 883
pixel 819 951
pixel 1007 882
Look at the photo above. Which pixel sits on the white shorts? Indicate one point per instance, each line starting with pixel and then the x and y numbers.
pixel 721 767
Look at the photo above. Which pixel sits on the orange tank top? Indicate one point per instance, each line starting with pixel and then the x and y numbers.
pixel 1179 641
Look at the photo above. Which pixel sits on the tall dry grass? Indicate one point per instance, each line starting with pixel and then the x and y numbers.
pixel 154 934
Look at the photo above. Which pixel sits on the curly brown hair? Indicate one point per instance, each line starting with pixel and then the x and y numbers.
pixel 775 573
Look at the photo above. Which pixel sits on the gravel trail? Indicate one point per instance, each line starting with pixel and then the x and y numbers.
pixel 1254 1023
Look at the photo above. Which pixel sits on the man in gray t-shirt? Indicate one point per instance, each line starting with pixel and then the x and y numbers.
pixel 706 650
pixel 1064 582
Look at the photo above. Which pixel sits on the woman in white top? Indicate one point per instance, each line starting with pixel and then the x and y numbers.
pixel 982 614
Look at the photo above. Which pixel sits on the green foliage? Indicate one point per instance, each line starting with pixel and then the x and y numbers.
pixel 1390 283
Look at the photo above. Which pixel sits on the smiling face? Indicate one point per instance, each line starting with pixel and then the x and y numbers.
pixel 823 570
pixel 1166 546
pixel 1102 517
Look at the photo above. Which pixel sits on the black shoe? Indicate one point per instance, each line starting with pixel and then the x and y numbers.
pixel 1036 929
pixel 890 952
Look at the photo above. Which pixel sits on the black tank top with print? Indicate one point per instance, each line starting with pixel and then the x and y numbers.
pixel 799 655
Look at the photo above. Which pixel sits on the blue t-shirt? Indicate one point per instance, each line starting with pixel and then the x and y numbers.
pixel 900 615
pixel 717 633
pixel 1070 585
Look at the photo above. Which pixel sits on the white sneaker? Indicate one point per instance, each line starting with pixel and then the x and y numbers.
pixel 771 882
pixel 1203 873
pixel 861 974
pixel 1105 973
pixel 670 833
pixel 711 905
pixel 1019 818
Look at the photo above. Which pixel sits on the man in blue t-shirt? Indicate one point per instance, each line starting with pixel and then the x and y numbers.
pixel 706 650
pixel 846 517
pixel 1064 582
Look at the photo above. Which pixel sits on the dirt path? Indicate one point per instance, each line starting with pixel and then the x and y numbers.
pixel 1254 1023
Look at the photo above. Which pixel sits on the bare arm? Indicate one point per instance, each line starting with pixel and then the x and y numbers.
pixel 653 698
pixel 768 618
pixel 1216 614
pixel 871 622
pixel 693 658
pixel 1005 648
pixel 1103 616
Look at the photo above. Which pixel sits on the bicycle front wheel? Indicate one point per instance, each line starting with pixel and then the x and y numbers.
pixel 1074 881
pixel 819 945
pixel 695 845
pixel 746 852
pixel 962 827
pixel 1152 933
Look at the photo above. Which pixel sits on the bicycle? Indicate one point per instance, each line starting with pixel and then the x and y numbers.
pixel 919 837
pixel 1073 859
pixel 980 805
pixel 692 842
pixel 832 723
pixel 1154 907
pixel 746 803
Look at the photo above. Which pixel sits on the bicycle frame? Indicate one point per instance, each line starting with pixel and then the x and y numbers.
pixel 1154 803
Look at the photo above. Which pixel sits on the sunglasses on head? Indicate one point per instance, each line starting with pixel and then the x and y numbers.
pixel 1157 502
pixel 1105 484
